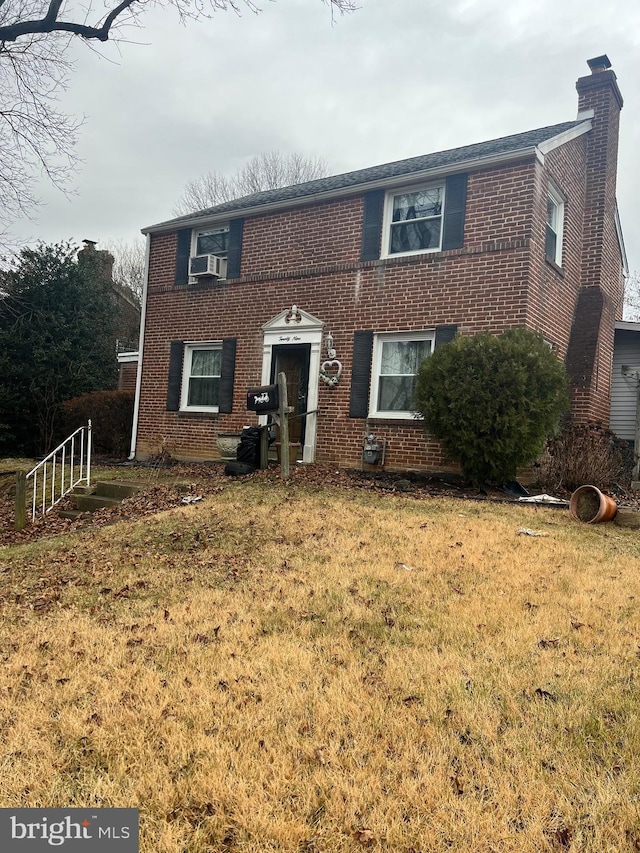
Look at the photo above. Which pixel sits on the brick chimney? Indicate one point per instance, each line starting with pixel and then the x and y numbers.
pixel 600 299
pixel 101 260
pixel 599 92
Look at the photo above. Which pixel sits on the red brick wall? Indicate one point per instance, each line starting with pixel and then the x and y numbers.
pixel 310 257
pixel 127 376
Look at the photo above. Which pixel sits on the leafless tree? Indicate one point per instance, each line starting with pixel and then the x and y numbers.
pixel 35 136
pixel 267 171
pixel 632 297
pixel 128 266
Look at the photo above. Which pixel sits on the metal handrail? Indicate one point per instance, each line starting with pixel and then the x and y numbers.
pixel 58 464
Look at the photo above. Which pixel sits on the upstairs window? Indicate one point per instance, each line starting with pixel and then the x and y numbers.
pixel 202 369
pixel 212 241
pixel 555 223
pixel 414 220
pixel 396 361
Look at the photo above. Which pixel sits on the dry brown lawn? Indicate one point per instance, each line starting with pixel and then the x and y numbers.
pixel 289 668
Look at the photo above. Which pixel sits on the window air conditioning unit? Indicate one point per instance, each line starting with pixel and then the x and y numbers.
pixel 208 265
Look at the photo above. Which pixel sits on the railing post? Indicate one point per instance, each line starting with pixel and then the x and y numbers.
pixel 33 501
pixel 89 453
pixel 21 497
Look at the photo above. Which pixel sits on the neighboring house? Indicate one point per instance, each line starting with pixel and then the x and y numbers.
pixel 390 262
pixel 625 381
pixel 125 305
pixel 127 370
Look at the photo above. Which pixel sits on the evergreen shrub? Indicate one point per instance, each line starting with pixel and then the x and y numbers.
pixel 491 401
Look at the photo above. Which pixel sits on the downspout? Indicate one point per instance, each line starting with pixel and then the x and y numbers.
pixel 143 317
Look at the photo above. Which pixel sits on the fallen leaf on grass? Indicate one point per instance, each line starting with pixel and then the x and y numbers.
pixel 526 531
pixel 544 694
pixel 201 638
pixel 548 643
pixel 457 784
pixel 562 837
pixel 364 836
pixel 320 755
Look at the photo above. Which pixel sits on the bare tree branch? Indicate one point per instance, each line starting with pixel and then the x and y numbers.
pixel 267 171
pixel 632 297
pixel 50 22
pixel 35 136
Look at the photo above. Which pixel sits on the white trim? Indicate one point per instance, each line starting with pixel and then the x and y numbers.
pixel 627 326
pixel 287 321
pixel 562 138
pixel 187 355
pixel 387 219
pixel 558 200
pixel 395 181
pixel 623 251
pixel 143 320
pixel 308 330
pixel 378 340
pixel 197 232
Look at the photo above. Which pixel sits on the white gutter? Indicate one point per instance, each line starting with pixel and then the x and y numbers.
pixel 143 317
pixel 354 189
pixel 627 326
pixel 623 251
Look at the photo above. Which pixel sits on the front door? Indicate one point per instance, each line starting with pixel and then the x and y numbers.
pixel 293 361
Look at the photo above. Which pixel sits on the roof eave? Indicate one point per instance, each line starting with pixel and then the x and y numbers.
pixel 573 133
pixel 380 183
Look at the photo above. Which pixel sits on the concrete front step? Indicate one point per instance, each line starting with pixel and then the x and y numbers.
pixel 120 489
pixel 102 493
pixel 90 503
pixel 71 513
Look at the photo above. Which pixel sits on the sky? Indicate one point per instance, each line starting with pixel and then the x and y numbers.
pixel 394 79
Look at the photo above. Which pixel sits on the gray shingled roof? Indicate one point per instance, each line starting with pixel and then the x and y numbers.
pixel 399 168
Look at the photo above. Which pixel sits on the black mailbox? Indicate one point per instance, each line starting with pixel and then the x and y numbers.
pixel 263 399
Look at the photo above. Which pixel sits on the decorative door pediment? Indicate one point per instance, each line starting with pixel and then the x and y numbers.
pixel 294 319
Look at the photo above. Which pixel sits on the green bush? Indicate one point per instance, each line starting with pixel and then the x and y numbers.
pixel 111 415
pixel 492 401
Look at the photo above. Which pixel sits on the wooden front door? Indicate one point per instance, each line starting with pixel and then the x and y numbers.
pixel 293 361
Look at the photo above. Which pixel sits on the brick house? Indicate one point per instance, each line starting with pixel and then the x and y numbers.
pixel 364 274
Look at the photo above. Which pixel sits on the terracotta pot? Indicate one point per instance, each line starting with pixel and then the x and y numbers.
pixel 588 504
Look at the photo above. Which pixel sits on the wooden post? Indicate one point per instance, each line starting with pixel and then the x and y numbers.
pixel 264 447
pixel 21 496
pixel 283 413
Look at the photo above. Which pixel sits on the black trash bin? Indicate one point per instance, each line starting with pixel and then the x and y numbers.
pixel 248 451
